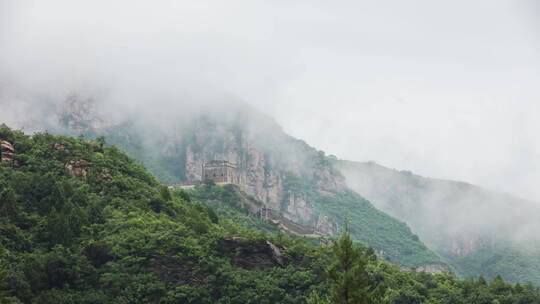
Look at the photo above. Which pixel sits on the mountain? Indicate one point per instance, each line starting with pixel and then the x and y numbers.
pixel 81 222
pixel 292 179
pixel 476 230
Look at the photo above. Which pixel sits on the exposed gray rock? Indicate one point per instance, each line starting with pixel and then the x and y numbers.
pixel 77 168
pixel 262 176
pixel 432 268
pixel 7 151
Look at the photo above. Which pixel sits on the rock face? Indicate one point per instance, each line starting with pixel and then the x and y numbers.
pixel 432 268
pixel 263 170
pixel 7 151
pixel 299 210
pixel 77 168
pixel 79 113
pixel 461 245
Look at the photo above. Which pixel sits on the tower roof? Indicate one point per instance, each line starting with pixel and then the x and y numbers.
pixel 220 163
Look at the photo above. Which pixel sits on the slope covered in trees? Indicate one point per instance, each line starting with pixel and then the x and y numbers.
pixel 286 174
pixel 115 235
pixel 83 223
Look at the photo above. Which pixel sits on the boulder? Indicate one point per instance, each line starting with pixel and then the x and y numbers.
pixel 77 168
pixel 7 151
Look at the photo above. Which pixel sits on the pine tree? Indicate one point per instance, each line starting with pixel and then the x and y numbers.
pixel 5 298
pixel 8 203
pixel 58 228
pixel 351 282
pixel 316 298
pixel 3 286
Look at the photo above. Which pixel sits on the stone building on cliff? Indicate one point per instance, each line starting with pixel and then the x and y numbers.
pixel 220 172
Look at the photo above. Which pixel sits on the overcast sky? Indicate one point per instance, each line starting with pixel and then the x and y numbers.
pixel 447 89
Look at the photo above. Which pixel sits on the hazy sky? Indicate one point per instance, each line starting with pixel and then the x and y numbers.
pixel 447 89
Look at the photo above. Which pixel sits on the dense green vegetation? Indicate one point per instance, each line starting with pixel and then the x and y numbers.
pixel 141 144
pixel 392 239
pixel 229 204
pixel 352 283
pixel 115 235
pixel 517 264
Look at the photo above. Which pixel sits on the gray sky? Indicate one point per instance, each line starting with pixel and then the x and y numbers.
pixel 447 89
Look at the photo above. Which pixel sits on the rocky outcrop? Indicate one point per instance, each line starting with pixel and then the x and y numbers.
pixel 262 170
pixel 77 168
pixel 252 254
pixel 7 151
pixel 429 268
pixel 462 245
pixel 432 268
pixel 105 174
pixel 298 209
pixel 80 113
pixel 275 218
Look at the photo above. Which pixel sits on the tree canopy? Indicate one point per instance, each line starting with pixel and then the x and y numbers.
pixel 81 222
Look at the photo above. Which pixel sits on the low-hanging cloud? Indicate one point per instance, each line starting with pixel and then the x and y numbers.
pixel 444 89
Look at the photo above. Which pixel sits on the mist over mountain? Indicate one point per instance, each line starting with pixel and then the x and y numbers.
pixel 304 99
pixel 406 85
pixel 291 178
pixel 477 230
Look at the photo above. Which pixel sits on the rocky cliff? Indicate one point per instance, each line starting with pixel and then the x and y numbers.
pixel 262 169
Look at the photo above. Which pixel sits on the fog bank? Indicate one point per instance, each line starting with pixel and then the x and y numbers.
pixel 448 90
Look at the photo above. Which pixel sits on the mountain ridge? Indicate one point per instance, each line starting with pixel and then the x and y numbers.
pixel 115 235
pixel 474 229
pixel 175 151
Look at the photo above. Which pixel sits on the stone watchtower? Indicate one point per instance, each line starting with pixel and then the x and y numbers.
pixel 220 172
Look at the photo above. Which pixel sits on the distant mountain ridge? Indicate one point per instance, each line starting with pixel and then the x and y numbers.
pixel 478 231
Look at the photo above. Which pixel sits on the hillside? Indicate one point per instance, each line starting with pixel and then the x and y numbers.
pixel 476 230
pixel 83 223
pixel 287 175
pixel 105 231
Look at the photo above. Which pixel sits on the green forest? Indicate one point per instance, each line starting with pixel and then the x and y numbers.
pixel 392 238
pixel 81 222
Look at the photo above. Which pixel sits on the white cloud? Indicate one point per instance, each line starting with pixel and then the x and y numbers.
pixel 446 89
